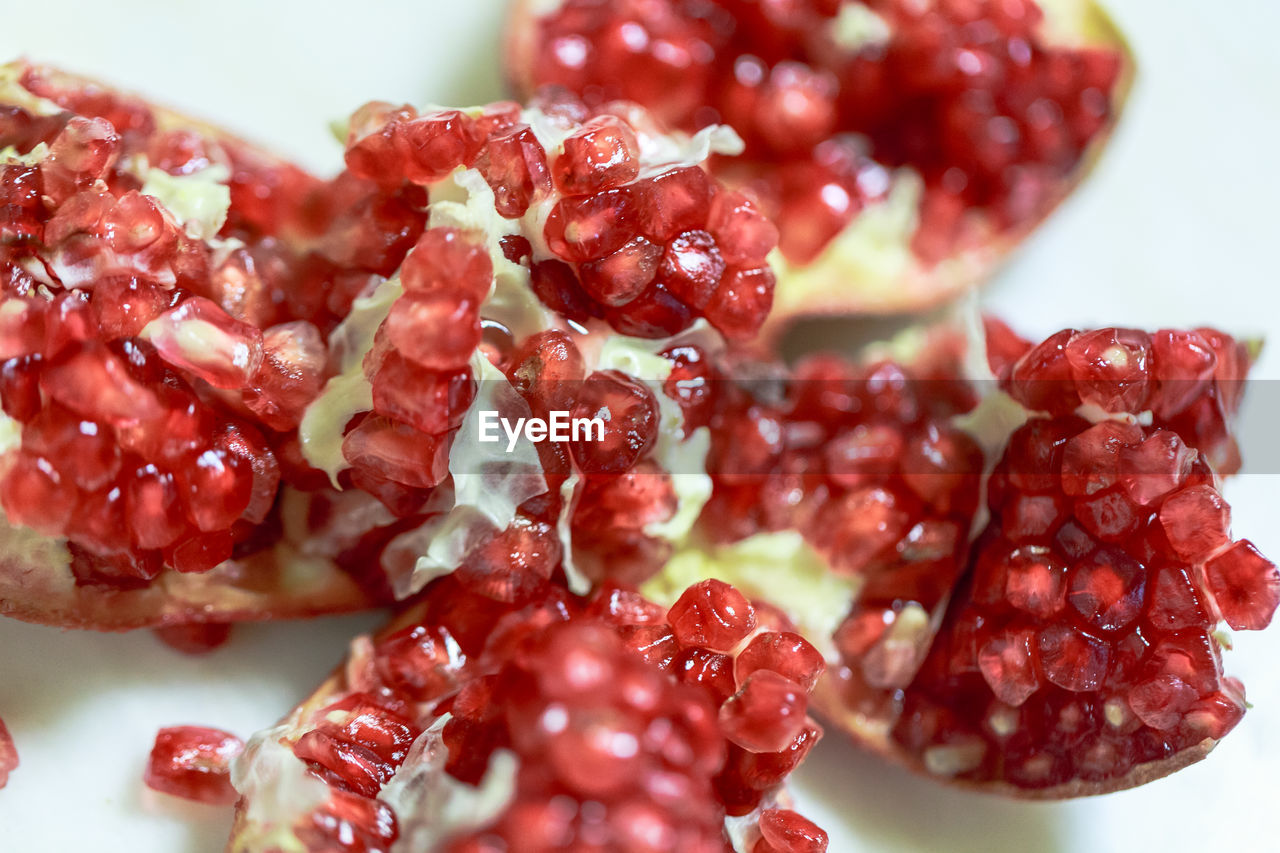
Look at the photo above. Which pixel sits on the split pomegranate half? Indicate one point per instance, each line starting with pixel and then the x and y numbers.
pixel 155 357
pixel 547 724
pixel 903 148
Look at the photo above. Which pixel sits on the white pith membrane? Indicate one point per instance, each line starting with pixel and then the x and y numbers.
pixel 870 267
pixel 294 577
pixel 488 482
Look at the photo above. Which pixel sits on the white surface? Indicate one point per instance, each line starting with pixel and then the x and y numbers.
pixel 1176 227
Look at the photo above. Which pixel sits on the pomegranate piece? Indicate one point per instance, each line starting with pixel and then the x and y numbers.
pixel 8 755
pixel 992 118
pixel 552 701
pixel 1076 655
pixel 153 370
pixel 623 216
pixel 193 762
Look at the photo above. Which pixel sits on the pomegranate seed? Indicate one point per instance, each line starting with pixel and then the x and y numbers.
pixel 676 201
pixel 784 831
pixel 619 278
pixel 1245 586
pixel 445 261
pixel 438 331
pixel 783 652
pixel 599 155
pixel 1196 520
pixel 515 167
pixel 397 452
pixel 8 755
pixel 588 227
pixel 766 714
pixel 630 415
pixel 195 638
pixel 201 338
pixel 193 762
pixel 712 614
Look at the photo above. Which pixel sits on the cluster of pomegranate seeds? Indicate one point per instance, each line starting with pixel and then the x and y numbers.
pixel 8 755
pixel 633 728
pixel 1081 644
pixel 647 245
pixel 152 370
pixel 968 94
pixel 194 763
pixel 864 462
pixel 1192 381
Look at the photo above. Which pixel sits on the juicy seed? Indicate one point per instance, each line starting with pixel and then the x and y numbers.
pixel 712 614
pixel 193 762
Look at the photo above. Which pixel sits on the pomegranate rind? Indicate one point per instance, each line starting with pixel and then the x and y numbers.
pixel 866 278
pixel 871 734
pixel 36 585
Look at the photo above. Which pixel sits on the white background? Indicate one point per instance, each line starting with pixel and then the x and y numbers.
pixel 1177 227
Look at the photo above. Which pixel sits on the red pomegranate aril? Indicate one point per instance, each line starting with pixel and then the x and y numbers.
pixel 1036 581
pixel 152 507
pixel 1070 659
pixel 349 822
pixel 437 144
pixel 291 374
pixel 397 452
pixel 630 415
pixel 783 652
pixel 1107 588
pixel 743 233
pixel 96 384
pixel 514 165
pixel 1007 663
pixel 620 277
pixel 741 302
pixel 35 494
pixel 675 201
pixel 588 227
pixel 656 313
pixel 193 762
pixel 201 552
pixel 766 714
pixel 195 638
pixel 692 267
pixel 350 766
pixel 201 338
pixel 1183 365
pixel 712 614
pixel 438 331
pixel 447 261
pixel 8 755
pixel 1245 585
pixel 1197 521
pixel 428 400
pixel 80 155
pixel 784 831
pixel 599 155
pixel 547 369
pixel 1155 467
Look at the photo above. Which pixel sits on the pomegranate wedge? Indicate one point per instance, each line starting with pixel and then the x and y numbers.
pixel 1073 648
pixel 549 724
pixel 903 148
pixel 154 359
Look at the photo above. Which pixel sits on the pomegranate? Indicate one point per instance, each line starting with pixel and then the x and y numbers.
pixel 904 148
pixel 1078 653
pixel 8 755
pixel 548 724
pixel 194 763
pixel 156 358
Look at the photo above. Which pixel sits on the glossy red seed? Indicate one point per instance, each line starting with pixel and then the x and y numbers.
pixel 438 331
pixel 1197 521
pixel 783 652
pixel 514 165
pixel 1007 664
pixel 675 201
pixel 193 762
pixel 430 401
pixel 202 339
pixel 588 227
pixel 784 831
pixel 629 413
pixel 741 302
pixel 766 714
pixel 1245 585
pixel 601 154
pixel 692 267
pixel 397 452
pixel 712 614
pixel 195 638
pixel 1106 589
pixel 1110 367
pixel 8 755
pixel 446 260
pixel 291 374
pixel 1070 659
pixel 618 278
